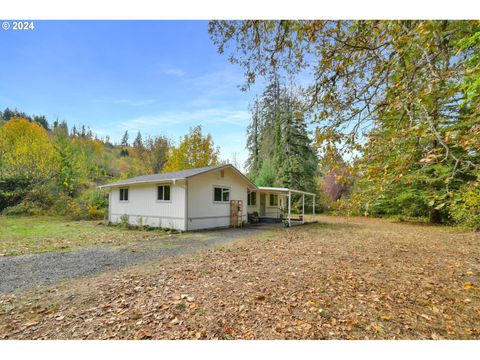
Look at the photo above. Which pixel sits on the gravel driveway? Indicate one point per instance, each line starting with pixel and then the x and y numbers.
pixel 28 271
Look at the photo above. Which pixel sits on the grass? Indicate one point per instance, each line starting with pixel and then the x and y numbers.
pixel 27 235
pixel 342 278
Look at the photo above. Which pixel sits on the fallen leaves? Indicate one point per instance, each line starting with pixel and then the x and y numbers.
pixel 342 279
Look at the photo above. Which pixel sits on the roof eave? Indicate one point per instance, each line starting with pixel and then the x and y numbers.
pixel 138 182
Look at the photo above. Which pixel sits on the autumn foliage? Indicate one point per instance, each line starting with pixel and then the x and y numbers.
pixel 47 170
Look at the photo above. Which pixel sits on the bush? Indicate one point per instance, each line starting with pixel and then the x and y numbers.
pixel 13 190
pixel 22 209
pixel 466 208
pixel 91 204
pixel 124 221
pixel 34 200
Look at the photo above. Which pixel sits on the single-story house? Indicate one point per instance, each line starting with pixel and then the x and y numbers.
pixel 194 199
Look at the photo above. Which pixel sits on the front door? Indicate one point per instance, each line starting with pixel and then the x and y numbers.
pixel 262 204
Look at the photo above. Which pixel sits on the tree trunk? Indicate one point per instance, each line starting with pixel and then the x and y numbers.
pixel 435 216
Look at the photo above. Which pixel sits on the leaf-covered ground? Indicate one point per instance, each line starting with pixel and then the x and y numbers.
pixel 340 279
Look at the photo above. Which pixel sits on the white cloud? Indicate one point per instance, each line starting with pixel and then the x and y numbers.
pixel 171 70
pixel 194 117
pixel 141 102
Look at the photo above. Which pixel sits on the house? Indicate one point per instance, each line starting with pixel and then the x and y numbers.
pixel 194 199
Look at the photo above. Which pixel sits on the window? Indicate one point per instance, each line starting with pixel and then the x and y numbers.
pixel 124 194
pixel 163 192
pixel 221 194
pixel 252 198
pixel 273 200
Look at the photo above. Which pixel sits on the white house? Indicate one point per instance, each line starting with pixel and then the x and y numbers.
pixel 191 199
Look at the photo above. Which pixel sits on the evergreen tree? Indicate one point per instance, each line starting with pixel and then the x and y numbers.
pixel 253 141
pixel 278 132
pixel 124 141
pixel 138 143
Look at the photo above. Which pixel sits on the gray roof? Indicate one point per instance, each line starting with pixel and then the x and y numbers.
pixel 169 176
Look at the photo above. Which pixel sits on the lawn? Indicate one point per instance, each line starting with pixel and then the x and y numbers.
pixel 344 278
pixel 26 235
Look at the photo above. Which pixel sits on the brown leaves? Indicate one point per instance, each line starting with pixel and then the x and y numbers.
pixel 342 279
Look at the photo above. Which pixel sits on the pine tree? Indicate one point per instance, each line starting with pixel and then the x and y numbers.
pixel 124 141
pixel 138 143
pixel 278 132
pixel 253 141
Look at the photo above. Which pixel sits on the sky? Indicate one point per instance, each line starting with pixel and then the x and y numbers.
pixel 157 77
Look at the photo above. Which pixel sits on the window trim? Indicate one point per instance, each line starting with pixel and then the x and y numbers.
pixel 222 187
pixel 120 194
pixel 164 201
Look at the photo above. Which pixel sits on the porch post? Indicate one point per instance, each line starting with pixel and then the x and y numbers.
pixel 289 206
pixel 313 208
pixel 303 208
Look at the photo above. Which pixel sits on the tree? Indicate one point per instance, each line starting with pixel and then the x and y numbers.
pixel 157 151
pixel 399 97
pixel 138 143
pixel 26 150
pixel 41 120
pixel 253 140
pixel 124 141
pixel 73 167
pixel 194 150
pixel 278 132
pixel 267 175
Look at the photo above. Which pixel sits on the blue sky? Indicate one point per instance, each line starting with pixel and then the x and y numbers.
pixel 159 77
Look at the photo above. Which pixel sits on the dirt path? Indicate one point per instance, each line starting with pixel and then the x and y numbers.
pixel 28 271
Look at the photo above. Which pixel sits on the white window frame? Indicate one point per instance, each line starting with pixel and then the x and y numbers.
pixel 120 194
pixel 222 187
pixel 164 201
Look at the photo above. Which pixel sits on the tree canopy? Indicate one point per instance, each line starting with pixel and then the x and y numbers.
pixel 398 99
pixel 195 150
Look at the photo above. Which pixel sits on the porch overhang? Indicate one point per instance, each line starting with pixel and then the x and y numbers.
pixel 288 192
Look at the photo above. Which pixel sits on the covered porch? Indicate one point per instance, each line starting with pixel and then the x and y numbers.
pixel 274 204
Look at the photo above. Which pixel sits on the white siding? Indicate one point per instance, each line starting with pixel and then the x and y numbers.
pixel 143 206
pixel 203 212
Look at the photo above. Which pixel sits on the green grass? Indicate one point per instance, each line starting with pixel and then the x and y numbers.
pixel 26 235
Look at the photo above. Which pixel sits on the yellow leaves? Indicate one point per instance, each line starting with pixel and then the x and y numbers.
pixel 26 149
pixel 195 150
pixel 468 286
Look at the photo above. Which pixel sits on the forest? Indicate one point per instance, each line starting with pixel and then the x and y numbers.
pixel 387 125
pixel 49 169
pixel 395 108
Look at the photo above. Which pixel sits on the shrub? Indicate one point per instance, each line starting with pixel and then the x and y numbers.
pixel 124 221
pixel 91 204
pixel 12 190
pixel 34 200
pixel 466 208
